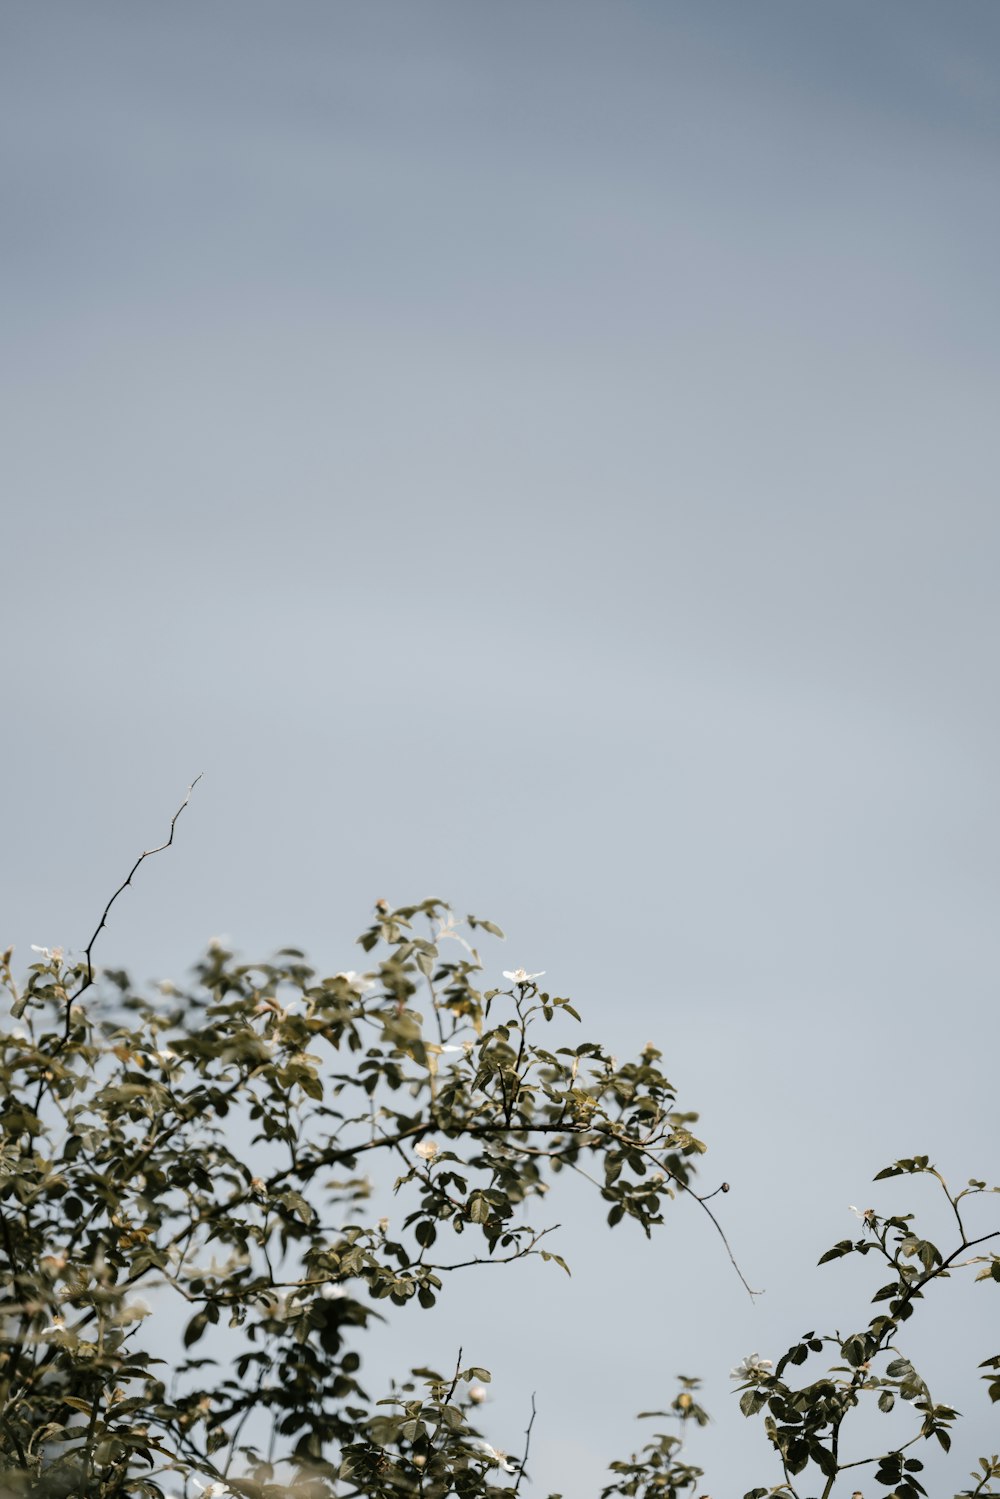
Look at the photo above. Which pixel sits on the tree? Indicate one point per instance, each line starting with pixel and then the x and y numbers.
pixel 221 1150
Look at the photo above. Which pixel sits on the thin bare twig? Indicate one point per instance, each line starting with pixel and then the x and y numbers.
pixel 527 1445
pixel 703 1204
pixel 455 1377
pixel 87 982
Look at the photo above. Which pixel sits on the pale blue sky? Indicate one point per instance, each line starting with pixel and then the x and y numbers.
pixel 542 455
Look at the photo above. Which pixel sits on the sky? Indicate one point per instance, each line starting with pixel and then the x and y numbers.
pixel 540 455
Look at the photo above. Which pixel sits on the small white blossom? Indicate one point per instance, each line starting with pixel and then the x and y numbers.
pixel 752 1366
pixel 357 981
pixel 426 1150
pixel 477 1393
pixel 519 976
pixel 50 954
pixel 493 1455
pixel 280 1307
pixel 133 1311
pixel 867 1215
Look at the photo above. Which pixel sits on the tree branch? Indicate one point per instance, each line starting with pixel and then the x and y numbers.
pixel 527 1445
pixel 87 982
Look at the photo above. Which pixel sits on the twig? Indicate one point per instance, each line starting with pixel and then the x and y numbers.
pixel 446 1402
pixel 88 979
pixel 87 982
pixel 454 1381
pixel 506 1259
pixel 527 1445
pixel 702 1202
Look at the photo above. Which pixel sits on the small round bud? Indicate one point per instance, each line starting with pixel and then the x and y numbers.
pixel 477 1393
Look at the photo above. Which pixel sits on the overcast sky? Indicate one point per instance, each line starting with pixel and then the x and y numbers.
pixel 543 455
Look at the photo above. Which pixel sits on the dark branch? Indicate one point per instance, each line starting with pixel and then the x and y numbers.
pixel 87 981
pixel 527 1446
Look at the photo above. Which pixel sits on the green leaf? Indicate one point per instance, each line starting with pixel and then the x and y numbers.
pixel 751 1401
pixel 195 1328
pixel 478 1208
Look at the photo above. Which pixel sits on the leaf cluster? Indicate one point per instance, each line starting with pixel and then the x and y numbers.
pixel 207 1159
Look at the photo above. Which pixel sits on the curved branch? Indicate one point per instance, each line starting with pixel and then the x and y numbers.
pixel 87 982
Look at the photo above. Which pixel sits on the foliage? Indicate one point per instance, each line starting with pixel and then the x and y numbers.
pixel 209 1148
pixel 219 1150
pixel 804 1422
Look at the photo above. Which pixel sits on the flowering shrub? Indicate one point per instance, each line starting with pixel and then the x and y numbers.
pixel 204 1158
pixel 206 1152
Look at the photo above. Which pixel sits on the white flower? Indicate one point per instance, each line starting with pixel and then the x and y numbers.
pixel 518 976
pixel 866 1215
pixel 50 954
pixel 426 1150
pixel 477 1393
pixel 752 1366
pixel 357 981
pixel 330 1292
pixel 210 1490
pixel 494 1457
pixel 133 1311
pixel 281 1307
